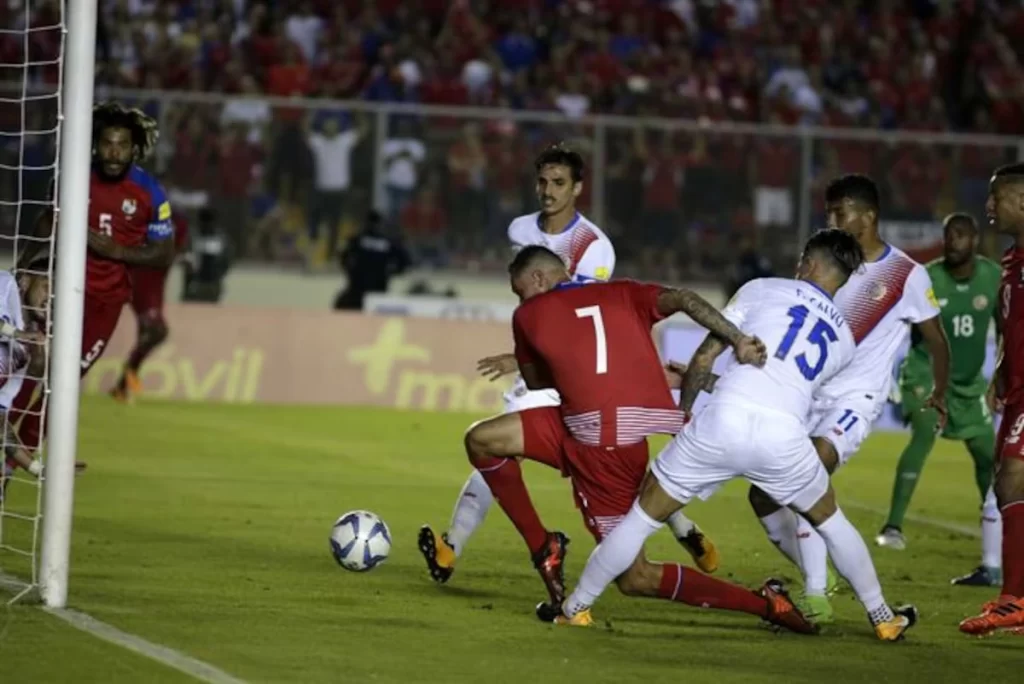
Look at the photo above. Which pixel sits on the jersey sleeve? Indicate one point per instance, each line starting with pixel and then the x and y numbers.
pixel 525 355
pixel 597 262
pixel 160 225
pixel 644 298
pixel 919 297
pixel 516 237
pixel 742 303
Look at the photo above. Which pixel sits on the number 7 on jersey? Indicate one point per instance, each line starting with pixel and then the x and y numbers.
pixel 594 313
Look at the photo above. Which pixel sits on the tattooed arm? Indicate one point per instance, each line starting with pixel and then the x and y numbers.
pixel 698 374
pixel 748 349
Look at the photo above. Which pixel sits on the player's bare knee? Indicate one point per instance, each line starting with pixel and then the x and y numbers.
pixel 822 510
pixel 762 504
pixel 1009 483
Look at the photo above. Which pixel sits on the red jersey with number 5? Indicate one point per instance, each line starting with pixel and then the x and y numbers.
pixel 133 211
pixel 1011 316
pixel 594 340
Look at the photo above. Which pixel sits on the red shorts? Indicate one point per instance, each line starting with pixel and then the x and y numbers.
pixel 605 480
pixel 1010 442
pixel 148 292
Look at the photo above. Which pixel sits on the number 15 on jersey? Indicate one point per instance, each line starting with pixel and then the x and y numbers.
pixel 820 335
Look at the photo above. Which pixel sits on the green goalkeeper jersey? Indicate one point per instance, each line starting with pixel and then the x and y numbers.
pixel 966 307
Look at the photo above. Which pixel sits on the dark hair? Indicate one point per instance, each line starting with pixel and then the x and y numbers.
pixel 113 114
pixel 960 216
pixel 856 187
pixel 840 247
pixel 560 155
pixel 1010 173
pixel 531 256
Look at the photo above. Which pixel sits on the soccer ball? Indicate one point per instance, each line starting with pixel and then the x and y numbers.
pixel 360 541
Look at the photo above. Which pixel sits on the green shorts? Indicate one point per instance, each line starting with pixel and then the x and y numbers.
pixel 968 416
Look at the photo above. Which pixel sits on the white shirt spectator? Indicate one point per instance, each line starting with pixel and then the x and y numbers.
pixel 304 31
pixel 402 156
pixel 573 105
pixel 332 159
pixel 253 112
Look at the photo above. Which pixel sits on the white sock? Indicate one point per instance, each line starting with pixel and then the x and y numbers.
pixel 680 525
pixel 781 527
pixel 853 561
pixel 813 557
pixel 611 558
pixel 991 533
pixel 471 508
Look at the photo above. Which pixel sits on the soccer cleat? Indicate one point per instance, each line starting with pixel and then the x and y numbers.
pixel 438 553
pixel 904 617
pixel 552 613
pixel 817 609
pixel 981 576
pixel 702 549
pixel 550 564
pixel 132 383
pixel 891 538
pixel 1005 614
pixel 121 395
pixel 782 611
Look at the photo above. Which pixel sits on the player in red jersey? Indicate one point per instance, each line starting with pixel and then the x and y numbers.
pixel 148 305
pixel 129 226
pixel 1005 209
pixel 614 394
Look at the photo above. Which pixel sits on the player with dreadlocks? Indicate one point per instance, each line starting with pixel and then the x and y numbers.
pixel 129 227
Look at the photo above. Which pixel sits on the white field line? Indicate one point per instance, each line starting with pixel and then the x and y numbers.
pixel 203 672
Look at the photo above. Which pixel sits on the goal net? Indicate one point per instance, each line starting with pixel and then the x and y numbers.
pixel 31 112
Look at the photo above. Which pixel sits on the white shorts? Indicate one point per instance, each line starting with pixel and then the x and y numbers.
pixel 519 398
pixel 845 428
pixel 727 440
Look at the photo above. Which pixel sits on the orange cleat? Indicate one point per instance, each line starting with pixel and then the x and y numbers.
pixel 782 611
pixel 1003 615
pixel 132 383
pixel 121 395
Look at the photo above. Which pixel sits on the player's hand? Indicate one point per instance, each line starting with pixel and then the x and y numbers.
pixel 104 245
pixel 494 367
pixel 938 402
pixel 751 350
pixel 993 399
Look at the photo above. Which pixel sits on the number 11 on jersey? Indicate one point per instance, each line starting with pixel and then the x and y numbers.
pixel 594 313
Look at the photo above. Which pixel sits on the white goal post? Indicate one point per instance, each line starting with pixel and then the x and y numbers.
pixel 68 290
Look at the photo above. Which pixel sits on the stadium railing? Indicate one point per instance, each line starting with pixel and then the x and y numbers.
pixel 680 198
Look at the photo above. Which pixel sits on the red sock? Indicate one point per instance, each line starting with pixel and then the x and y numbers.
pixel 687 586
pixel 505 478
pixel 1013 549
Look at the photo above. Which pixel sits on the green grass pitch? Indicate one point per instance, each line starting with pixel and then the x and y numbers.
pixel 204 528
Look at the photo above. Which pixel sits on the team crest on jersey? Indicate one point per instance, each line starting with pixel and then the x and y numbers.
pixel 128 207
pixel 980 302
pixel 877 291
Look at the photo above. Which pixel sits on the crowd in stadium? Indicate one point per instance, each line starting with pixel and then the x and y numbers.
pixel 452 184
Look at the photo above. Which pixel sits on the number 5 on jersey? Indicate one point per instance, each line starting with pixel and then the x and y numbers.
pixel 594 313
pixel 106 224
pixel 820 335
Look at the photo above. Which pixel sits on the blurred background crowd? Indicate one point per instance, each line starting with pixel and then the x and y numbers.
pixel 646 89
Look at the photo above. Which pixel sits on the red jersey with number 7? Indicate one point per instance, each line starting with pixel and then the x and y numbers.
pixel 594 341
pixel 133 211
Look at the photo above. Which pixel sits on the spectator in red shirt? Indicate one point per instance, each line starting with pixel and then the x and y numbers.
pixel 237 160
pixel 290 162
pixel 424 223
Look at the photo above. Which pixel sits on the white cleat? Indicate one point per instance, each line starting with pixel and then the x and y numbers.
pixel 891 538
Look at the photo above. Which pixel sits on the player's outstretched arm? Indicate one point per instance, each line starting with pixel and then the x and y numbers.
pixel 698 374
pixel 156 254
pixel 938 348
pixel 748 349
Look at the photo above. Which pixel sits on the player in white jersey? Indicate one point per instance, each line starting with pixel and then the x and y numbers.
pixel 754 426
pixel 22 350
pixel 881 302
pixel 589 256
